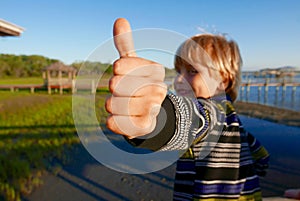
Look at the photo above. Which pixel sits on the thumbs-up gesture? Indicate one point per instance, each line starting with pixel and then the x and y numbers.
pixel 137 87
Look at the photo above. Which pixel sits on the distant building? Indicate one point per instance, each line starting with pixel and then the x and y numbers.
pixel 9 29
pixel 59 75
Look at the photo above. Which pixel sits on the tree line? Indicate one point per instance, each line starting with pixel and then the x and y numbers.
pixel 23 65
pixel 33 65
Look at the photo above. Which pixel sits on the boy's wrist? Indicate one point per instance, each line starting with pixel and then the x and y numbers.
pixel 163 132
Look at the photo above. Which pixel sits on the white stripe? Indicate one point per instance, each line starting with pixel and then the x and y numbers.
pixel 218 145
pixel 217 165
pixel 231 133
pixel 234 124
pixel 223 150
pixel 225 155
pixel 218 195
pixel 221 181
pixel 225 160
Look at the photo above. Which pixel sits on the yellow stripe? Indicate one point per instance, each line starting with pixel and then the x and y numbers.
pixel 261 153
pixel 253 197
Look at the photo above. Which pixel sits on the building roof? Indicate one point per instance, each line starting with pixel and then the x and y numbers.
pixel 59 66
pixel 9 29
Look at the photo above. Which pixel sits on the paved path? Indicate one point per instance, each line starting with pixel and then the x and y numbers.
pixel 84 179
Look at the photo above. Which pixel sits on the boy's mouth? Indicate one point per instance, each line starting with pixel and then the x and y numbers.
pixel 183 92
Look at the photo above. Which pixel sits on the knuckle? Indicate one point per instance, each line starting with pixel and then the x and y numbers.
pixel 109 123
pixel 161 90
pixel 113 83
pixel 117 66
pixel 108 105
pixel 144 123
pixel 155 109
pixel 158 72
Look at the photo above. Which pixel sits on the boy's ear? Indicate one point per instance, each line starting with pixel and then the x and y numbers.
pixel 225 82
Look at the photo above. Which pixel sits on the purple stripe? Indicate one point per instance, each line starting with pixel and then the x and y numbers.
pixel 232 119
pixel 233 189
pixel 251 184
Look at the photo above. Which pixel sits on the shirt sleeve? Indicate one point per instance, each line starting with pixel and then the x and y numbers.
pixel 260 155
pixel 180 121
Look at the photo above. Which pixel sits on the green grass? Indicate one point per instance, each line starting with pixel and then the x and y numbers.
pixel 25 80
pixel 36 130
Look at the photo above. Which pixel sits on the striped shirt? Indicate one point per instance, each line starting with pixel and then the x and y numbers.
pixel 220 160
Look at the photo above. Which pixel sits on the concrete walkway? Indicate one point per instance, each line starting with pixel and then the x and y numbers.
pixel 84 179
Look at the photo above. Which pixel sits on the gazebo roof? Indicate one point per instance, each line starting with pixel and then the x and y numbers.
pixel 59 66
pixel 9 29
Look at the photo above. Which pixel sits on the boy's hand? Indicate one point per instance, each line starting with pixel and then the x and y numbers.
pixel 137 88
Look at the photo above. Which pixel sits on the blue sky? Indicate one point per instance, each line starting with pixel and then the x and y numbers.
pixel 267 31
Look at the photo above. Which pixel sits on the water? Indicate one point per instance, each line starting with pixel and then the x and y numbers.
pixel 288 98
pixel 246 78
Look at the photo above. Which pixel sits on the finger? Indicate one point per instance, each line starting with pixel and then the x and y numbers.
pixel 123 38
pixel 130 126
pixel 124 106
pixel 139 67
pixel 132 86
pixel 131 106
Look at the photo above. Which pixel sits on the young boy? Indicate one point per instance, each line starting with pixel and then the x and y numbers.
pixel 222 161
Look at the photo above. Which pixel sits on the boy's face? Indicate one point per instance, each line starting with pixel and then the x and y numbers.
pixel 195 82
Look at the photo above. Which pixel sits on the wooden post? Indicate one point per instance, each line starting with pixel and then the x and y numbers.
pixel 266 94
pixel 60 82
pixel 49 81
pixel 60 89
pixel 32 90
pixel 242 93
pixel 247 92
pixel 283 94
pixel 93 87
pixel 276 95
pixel 73 87
pixel 49 89
pixel 266 91
pixel 293 95
pixel 259 93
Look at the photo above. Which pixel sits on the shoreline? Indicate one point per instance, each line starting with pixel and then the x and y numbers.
pixel 269 113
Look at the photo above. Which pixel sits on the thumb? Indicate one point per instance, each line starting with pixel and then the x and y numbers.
pixel 123 38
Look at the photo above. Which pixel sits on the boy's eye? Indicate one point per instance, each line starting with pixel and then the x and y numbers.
pixel 192 71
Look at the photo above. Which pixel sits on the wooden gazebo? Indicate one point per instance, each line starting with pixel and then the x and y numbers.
pixel 59 76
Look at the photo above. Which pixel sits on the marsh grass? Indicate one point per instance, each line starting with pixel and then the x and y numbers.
pixel 36 130
pixel 25 80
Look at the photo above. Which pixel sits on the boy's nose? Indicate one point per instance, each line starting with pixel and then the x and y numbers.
pixel 179 78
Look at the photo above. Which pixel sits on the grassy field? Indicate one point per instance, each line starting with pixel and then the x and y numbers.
pixel 36 131
pixel 25 80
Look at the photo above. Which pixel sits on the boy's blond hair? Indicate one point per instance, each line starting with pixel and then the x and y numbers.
pixel 214 52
